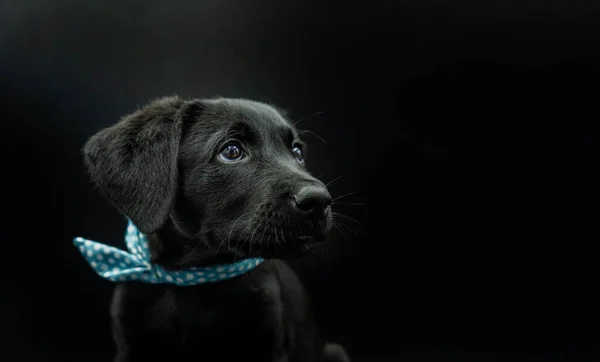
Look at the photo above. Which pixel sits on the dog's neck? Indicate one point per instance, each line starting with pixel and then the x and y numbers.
pixel 174 248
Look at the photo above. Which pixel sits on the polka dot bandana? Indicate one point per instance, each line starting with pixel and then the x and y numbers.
pixel 118 265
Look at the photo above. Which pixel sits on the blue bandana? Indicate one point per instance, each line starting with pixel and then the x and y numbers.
pixel 118 265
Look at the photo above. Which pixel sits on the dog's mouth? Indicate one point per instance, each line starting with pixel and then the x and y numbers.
pixel 278 235
pixel 281 247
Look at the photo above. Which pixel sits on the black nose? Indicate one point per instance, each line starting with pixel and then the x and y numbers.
pixel 312 199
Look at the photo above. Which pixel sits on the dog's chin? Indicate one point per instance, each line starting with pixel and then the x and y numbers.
pixel 292 248
pixel 308 243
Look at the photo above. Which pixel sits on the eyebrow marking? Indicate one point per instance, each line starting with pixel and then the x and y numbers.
pixel 239 129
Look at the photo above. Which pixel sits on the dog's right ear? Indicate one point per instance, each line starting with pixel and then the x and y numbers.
pixel 134 162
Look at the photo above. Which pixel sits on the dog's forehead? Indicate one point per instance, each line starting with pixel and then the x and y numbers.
pixel 255 115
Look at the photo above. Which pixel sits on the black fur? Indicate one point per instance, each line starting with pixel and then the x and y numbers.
pixel 163 167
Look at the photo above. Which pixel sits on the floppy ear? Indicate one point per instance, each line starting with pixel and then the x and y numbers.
pixel 134 162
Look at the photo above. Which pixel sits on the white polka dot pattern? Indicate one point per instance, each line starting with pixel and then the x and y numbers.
pixel 120 266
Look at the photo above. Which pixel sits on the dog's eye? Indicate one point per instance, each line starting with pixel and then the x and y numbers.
pixel 232 151
pixel 297 151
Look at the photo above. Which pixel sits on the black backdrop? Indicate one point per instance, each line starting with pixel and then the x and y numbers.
pixel 469 129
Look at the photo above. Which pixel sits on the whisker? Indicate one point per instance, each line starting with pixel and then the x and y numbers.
pixel 191 252
pixel 251 237
pixel 349 218
pixel 344 195
pixel 276 239
pixel 231 231
pixel 306 131
pixel 250 248
pixel 309 117
pixel 235 254
pixel 259 248
pixel 256 229
pixel 262 235
pixel 334 180
pixel 349 203
pixel 340 219
pixel 236 250
pixel 193 249
pixel 345 236
pixel 341 224
pixel 219 247
pixel 283 237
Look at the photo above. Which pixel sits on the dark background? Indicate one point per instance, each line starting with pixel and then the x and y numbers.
pixel 468 128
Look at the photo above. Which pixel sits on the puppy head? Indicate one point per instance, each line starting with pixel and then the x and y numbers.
pixel 211 180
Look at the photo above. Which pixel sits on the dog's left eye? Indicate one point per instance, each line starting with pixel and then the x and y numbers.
pixel 297 151
pixel 232 152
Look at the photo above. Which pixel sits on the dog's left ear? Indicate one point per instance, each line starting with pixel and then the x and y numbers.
pixel 134 162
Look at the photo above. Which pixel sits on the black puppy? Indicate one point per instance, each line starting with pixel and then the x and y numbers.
pixel 210 182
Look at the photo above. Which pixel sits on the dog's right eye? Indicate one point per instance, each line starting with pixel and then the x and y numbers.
pixel 231 152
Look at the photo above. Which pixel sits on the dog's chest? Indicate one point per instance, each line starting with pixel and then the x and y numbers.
pixel 254 321
pixel 248 317
pixel 264 315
